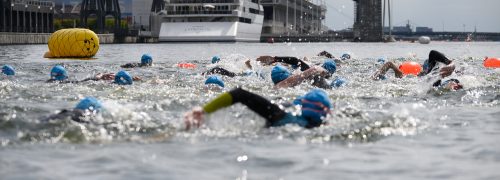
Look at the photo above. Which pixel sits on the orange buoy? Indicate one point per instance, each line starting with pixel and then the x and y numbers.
pixel 491 62
pixel 186 65
pixel 410 67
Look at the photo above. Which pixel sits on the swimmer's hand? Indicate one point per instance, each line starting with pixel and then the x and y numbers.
pixel 247 63
pixel 447 70
pixel 266 60
pixel 194 118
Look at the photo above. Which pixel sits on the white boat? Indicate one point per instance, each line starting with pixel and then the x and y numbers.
pixel 211 20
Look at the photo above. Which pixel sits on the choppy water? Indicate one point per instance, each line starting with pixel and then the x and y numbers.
pixel 393 129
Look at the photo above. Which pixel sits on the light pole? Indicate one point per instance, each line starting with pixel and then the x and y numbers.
pixel 11 8
pixel 24 17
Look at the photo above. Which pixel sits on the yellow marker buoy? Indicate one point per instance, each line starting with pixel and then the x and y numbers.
pixel 73 43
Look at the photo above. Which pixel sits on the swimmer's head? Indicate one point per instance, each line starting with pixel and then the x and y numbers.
pixel 58 73
pixel 146 60
pixel 330 66
pixel 451 84
pixel 215 59
pixel 215 80
pixel 315 104
pixel 381 60
pixel 345 56
pixel 338 82
pixel 90 104
pixel 123 78
pixel 8 70
pixel 279 73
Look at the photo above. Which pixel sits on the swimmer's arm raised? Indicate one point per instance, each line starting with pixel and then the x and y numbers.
pixel 265 60
pixel 388 65
pixel 292 61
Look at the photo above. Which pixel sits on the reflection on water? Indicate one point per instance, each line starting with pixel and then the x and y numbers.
pixel 150 111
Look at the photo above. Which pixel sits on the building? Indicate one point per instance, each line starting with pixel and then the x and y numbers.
pixel 26 16
pixel 368 20
pixel 293 17
pixel 424 30
pixel 402 29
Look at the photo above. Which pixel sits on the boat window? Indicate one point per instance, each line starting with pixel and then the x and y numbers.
pixel 245 20
pixel 254 11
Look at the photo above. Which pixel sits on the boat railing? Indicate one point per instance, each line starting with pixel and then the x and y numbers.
pixel 197 12
pixel 200 1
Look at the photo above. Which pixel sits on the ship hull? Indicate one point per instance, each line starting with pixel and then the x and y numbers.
pixel 210 31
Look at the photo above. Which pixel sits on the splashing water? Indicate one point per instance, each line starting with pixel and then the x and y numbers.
pixel 145 119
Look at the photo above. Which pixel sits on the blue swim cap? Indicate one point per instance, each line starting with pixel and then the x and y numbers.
pixel 146 59
pixel 381 60
pixel 345 56
pixel 338 82
pixel 215 59
pixel 298 100
pixel 8 70
pixel 279 73
pixel 123 78
pixel 214 80
pixel 58 73
pixel 381 77
pixel 89 103
pixel 425 67
pixel 315 104
pixel 330 66
pixel 248 72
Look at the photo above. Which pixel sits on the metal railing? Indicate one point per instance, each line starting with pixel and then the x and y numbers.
pixel 197 12
pixel 35 3
pixel 200 1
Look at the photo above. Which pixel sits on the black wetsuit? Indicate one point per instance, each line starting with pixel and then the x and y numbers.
pixel 133 65
pixel 292 61
pixel 221 71
pixel 271 112
pixel 434 58
pixel 287 60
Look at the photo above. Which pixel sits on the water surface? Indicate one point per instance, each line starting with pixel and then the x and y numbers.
pixel 392 129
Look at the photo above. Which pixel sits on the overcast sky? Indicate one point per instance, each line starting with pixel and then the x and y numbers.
pixel 451 15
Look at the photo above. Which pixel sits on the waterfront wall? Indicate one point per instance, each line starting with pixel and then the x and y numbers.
pixel 7 38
